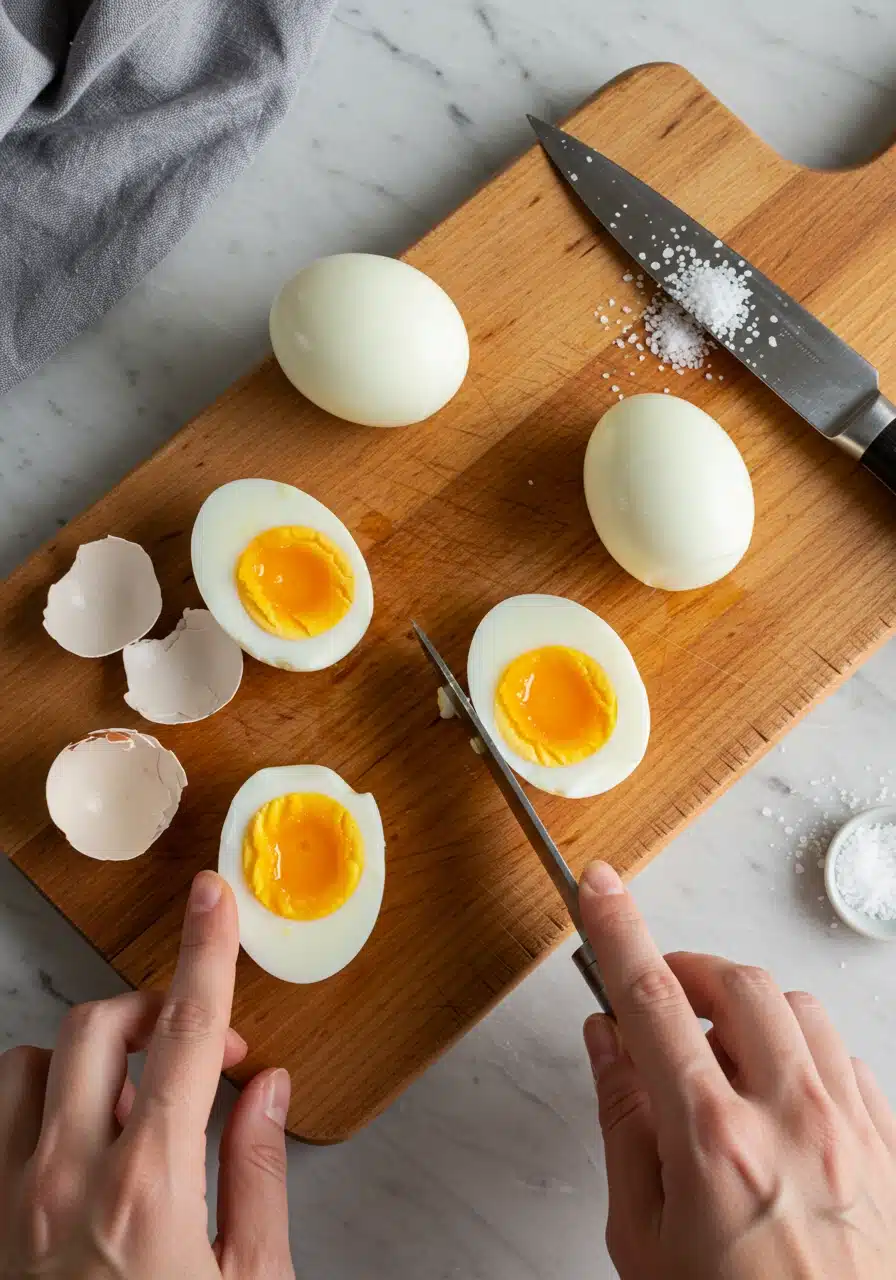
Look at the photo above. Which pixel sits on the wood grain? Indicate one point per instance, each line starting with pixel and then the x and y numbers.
pixel 482 502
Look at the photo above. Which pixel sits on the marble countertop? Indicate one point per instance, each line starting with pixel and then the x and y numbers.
pixel 489 1167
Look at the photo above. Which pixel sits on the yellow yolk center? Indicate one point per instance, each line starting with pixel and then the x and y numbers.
pixel 555 706
pixel 303 855
pixel 294 582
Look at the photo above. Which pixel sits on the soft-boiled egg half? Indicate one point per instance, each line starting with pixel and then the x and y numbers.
pixel 559 694
pixel 281 574
pixel 305 856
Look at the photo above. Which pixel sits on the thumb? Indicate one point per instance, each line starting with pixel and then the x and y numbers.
pixel 253 1216
pixel 630 1146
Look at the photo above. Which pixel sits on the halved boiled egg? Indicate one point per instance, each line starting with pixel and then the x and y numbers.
pixel 559 694
pixel 113 793
pixel 305 856
pixel 281 574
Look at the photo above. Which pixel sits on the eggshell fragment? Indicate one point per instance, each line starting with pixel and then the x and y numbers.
pixel 109 597
pixel 113 793
pixel 188 676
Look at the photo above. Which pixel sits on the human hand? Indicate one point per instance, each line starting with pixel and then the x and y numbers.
pixel 761 1150
pixel 99 1180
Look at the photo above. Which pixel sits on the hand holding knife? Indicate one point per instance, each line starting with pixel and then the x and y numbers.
pixel 552 859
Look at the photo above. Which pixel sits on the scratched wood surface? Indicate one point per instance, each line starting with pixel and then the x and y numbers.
pixel 482 502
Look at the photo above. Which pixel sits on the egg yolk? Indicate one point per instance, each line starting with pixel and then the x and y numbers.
pixel 294 582
pixel 303 855
pixel 555 706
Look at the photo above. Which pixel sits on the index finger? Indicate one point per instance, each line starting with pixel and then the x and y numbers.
pixel 659 1028
pixel 183 1063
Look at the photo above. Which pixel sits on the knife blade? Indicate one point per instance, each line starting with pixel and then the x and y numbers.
pixel 551 858
pixel 826 381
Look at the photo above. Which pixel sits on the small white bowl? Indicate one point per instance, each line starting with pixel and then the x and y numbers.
pixel 880 930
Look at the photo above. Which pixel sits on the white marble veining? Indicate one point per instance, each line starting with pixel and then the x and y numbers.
pixel 489 1166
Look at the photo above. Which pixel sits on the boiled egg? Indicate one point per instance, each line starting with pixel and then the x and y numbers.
pixel 370 339
pixel 668 492
pixel 109 597
pixel 559 694
pixel 113 793
pixel 305 857
pixel 188 675
pixel 281 574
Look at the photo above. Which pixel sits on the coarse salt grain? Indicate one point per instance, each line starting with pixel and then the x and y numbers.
pixel 673 336
pixel 716 296
pixel 865 870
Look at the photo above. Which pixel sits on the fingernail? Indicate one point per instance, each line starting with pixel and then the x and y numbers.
pixel 238 1041
pixel 277 1094
pixel 206 891
pixel 602 1043
pixel 600 878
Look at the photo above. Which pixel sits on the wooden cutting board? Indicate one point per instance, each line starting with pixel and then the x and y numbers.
pixel 482 502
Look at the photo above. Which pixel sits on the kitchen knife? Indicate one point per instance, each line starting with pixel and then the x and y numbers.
pixel 805 363
pixel 551 858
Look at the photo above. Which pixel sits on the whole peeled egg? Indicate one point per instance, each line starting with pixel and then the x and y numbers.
pixel 370 339
pixel 668 491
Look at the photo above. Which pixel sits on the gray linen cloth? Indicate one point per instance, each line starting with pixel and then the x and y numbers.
pixel 119 120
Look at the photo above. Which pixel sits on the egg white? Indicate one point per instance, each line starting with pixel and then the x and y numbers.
pixel 227 522
pixel 529 622
pixel 304 951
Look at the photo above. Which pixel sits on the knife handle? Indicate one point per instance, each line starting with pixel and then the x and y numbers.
pixel 880 456
pixel 585 961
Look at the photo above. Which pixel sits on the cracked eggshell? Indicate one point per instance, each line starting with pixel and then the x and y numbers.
pixel 187 676
pixel 113 793
pixel 109 598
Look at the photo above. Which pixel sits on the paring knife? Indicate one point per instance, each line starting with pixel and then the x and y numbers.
pixel 805 363
pixel 551 858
